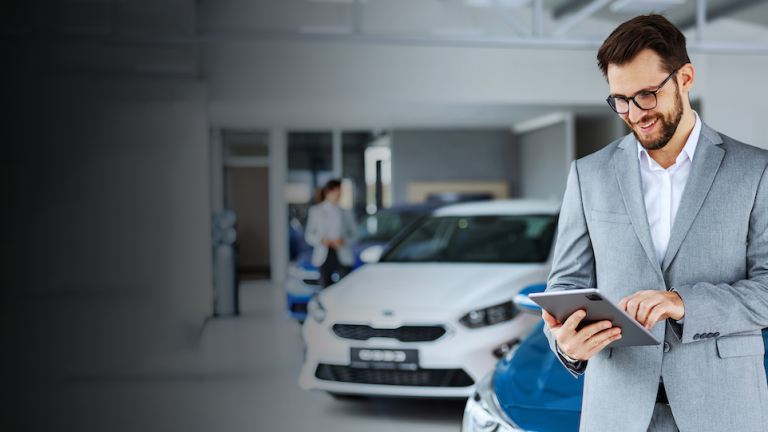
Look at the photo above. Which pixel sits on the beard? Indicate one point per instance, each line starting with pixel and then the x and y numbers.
pixel 667 126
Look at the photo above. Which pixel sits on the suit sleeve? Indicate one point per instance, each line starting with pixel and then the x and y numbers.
pixel 722 309
pixel 312 233
pixel 573 265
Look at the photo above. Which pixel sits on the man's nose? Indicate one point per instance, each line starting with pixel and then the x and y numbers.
pixel 635 113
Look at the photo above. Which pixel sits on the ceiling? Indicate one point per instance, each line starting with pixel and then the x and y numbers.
pixel 163 38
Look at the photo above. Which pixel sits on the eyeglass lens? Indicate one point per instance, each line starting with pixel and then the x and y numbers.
pixel 644 101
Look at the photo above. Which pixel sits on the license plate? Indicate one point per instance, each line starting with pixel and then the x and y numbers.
pixel 395 359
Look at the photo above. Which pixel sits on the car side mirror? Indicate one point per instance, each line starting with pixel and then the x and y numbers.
pixel 523 303
pixel 371 254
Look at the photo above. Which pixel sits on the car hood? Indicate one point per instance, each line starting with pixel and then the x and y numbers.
pixel 431 286
pixel 535 390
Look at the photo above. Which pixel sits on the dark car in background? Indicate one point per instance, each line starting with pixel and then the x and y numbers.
pixel 374 232
pixel 529 390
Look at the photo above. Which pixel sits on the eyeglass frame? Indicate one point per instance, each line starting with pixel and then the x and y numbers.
pixel 627 99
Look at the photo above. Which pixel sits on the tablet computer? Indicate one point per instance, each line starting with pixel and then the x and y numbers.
pixel 562 304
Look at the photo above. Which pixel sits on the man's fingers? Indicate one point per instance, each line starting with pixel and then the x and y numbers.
pixel 601 341
pixel 633 303
pixel 592 329
pixel 573 321
pixel 549 319
pixel 623 302
pixel 645 307
pixel 657 314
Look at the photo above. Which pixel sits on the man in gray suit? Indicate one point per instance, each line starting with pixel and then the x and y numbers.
pixel 673 220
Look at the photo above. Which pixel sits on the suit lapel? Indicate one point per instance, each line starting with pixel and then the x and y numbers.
pixel 706 162
pixel 627 167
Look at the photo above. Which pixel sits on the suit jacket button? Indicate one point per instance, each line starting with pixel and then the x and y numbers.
pixel 696 336
pixel 717 334
pixel 666 347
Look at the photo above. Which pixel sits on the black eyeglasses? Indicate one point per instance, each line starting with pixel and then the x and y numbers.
pixel 645 100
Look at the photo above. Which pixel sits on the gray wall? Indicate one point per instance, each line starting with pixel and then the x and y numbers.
pixel 544 164
pixel 453 155
pixel 594 133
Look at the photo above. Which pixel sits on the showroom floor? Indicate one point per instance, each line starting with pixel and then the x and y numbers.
pixel 244 378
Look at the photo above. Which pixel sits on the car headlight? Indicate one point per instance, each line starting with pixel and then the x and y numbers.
pixel 483 414
pixel 490 315
pixel 316 309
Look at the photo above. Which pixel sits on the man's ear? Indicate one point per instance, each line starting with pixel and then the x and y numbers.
pixel 685 78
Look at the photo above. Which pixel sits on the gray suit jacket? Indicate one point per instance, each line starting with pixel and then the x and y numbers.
pixel 717 260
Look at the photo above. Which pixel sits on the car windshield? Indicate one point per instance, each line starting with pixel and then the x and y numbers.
pixel 477 239
pixel 385 225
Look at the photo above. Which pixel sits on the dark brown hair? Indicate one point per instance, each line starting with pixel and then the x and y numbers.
pixel 652 31
pixel 331 185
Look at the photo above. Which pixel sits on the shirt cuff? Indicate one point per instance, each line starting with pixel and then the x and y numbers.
pixel 568 359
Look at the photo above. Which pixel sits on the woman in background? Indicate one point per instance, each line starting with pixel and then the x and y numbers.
pixel 331 230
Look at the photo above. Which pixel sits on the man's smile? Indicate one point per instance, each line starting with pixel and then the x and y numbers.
pixel 647 127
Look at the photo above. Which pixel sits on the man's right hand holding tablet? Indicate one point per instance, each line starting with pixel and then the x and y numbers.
pixel 582 344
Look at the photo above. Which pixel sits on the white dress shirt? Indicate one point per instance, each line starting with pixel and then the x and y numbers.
pixel 332 218
pixel 663 188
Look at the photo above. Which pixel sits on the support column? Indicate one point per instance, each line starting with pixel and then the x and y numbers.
pixel 217 171
pixel 701 19
pixel 538 18
pixel 337 154
pixel 278 208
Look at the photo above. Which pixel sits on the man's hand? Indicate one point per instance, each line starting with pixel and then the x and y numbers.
pixel 326 242
pixel 582 344
pixel 650 307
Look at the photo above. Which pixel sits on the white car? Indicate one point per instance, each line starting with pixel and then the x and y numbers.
pixel 433 316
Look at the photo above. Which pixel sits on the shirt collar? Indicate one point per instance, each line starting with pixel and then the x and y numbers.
pixel 688 150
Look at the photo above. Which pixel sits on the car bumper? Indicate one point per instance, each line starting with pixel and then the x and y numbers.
pixel 482 412
pixel 460 351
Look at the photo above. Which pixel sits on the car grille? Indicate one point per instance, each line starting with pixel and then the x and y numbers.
pixel 403 334
pixel 418 378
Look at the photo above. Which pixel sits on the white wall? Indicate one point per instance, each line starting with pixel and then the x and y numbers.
pixel 735 95
pixel 306 84
pixel 332 84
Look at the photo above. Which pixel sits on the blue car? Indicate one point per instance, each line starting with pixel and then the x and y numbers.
pixel 530 390
pixel 374 232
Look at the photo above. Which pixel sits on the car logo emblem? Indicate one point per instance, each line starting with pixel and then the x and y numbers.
pixel 387 313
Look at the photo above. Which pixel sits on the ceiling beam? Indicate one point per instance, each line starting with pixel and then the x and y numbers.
pixel 720 11
pixel 579 16
pixel 510 19
pixel 208 37
pixel 568 8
